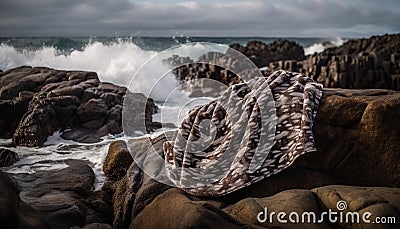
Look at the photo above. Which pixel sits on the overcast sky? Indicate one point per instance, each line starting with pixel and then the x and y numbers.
pixel 296 18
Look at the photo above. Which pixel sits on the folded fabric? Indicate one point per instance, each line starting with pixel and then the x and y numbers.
pixel 252 131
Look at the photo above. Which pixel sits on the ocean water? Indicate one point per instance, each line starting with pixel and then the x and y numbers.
pixel 115 60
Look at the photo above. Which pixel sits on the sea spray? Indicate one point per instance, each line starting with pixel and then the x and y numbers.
pixel 115 62
pixel 320 47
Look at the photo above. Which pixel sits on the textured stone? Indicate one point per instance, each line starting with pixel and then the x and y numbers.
pixel 363 63
pixel 59 195
pixel 117 161
pixel 173 204
pixel 14 213
pixel 36 102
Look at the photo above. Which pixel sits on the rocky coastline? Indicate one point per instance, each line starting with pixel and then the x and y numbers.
pixel 357 64
pixel 356 130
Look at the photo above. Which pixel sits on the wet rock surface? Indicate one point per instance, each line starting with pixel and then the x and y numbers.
pixel 36 102
pixel 64 197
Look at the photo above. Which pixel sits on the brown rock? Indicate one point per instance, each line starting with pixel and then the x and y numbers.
pixel 94 226
pixel 111 99
pixel 74 90
pixel 92 109
pixel 262 54
pixel 108 87
pixel 124 196
pixel 363 63
pixel 117 161
pixel 173 204
pixel 359 148
pixel 291 178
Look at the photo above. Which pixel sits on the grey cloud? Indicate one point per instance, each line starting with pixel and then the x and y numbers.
pixel 240 18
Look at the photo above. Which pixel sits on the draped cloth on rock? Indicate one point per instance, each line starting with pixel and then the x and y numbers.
pixel 252 131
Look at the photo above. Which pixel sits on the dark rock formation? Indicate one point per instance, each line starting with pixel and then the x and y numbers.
pixel 7 157
pixel 357 137
pixel 15 213
pixel 208 66
pixel 244 126
pixel 262 54
pixel 358 64
pixel 364 63
pixel 188 213
pixel 36 102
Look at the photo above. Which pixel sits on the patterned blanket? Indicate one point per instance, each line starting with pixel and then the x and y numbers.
pixel 252 131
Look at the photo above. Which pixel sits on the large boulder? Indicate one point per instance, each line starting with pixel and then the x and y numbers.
pixel 295 200
pixel 361 63
pixel 136 189
pixel 14 213
pixel 36 102
pixel 379 201
pixel 62 196
pixel 357 138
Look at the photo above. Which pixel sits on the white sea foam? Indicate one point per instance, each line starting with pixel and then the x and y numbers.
pixel 320 47
pixel 115 62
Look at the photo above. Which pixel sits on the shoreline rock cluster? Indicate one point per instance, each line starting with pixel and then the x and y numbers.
pixel 357 64
pixel 36 102
pixel 262 54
